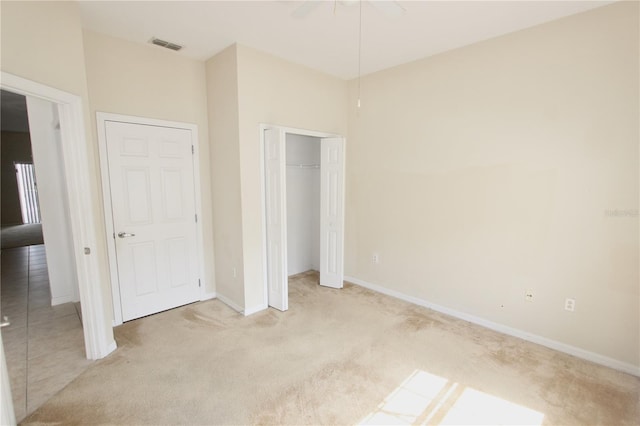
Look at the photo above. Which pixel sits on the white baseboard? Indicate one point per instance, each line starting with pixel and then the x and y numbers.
pixel 60 300
pixel 553 344
pixel 229 303
pixel 253 310
pixel 208 296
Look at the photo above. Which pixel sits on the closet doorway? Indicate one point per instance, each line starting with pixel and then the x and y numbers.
pixel 303 208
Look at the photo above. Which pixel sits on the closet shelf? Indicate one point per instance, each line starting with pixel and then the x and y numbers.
pixel 304 166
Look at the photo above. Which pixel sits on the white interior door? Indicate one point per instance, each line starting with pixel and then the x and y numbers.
pixel 46 145
pixel 332 212
pixel 275 206
pixel 154 217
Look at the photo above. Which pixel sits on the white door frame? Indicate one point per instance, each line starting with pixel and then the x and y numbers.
pixel 98 335
pixel 285 130
pixel 102 118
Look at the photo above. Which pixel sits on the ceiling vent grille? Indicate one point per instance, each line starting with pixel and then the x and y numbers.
pixel 164 43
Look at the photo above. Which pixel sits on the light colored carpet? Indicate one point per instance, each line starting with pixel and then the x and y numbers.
pixel 336 357
pixel 21 235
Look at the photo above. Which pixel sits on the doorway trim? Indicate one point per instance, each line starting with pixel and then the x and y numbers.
pixel 102 118
pixel 98 334
pixel 263 189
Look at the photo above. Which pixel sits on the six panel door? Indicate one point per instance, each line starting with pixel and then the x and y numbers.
pixel 153 201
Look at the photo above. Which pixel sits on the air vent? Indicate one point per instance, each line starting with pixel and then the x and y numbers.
pixel 166 44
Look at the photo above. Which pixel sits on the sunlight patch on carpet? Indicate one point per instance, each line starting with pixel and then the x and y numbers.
pixel 425 398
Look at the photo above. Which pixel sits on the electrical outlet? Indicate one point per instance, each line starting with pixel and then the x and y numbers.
pixel 375 259
pixel 528 295
pixel 570 305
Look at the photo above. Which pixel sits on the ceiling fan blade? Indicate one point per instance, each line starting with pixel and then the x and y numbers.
pixel 306 8
pixel 390 7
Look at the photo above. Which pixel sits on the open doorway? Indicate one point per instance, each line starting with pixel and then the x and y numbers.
pixel 97 332
pixel 303 182
pixel 19 209
pixel 303 203
pixel 34 209
pixel 38 284
pixel 96 318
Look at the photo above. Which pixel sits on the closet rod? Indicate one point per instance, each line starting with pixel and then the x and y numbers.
pixel 304 166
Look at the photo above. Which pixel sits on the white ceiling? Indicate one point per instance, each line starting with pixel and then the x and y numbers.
pixel 322 40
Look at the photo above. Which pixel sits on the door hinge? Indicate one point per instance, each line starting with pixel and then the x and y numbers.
pixel 193 150
pixel 196 218
pixel 199 283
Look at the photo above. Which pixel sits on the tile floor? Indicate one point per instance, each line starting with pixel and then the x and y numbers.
pixel 44 344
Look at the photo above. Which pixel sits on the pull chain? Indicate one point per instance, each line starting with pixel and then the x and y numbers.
pixel 359 51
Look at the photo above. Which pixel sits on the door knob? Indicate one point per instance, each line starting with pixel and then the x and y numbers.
pixel 125 234
pixel 5 322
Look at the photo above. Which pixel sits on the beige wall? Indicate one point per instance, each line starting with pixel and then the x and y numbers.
pixel 486 171
pixel 42 41
pixel 274 91
pixel 148 81
pixel 222 93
